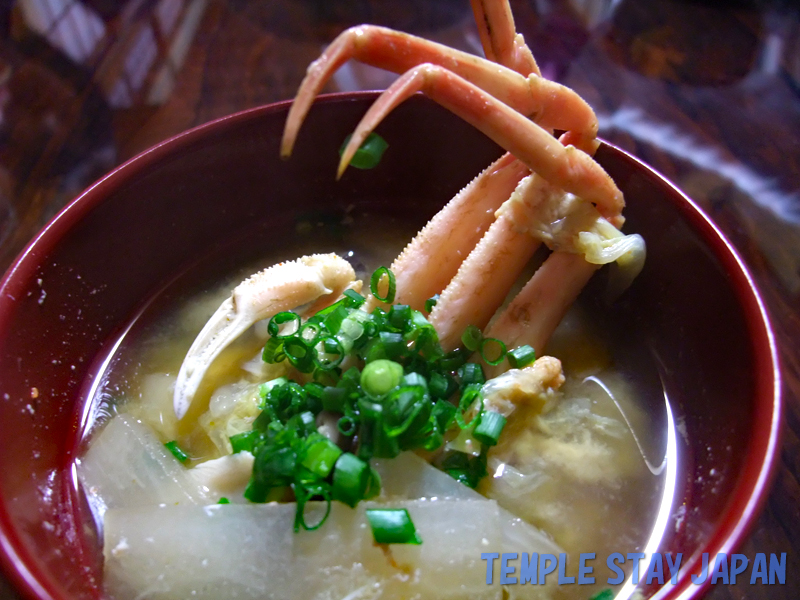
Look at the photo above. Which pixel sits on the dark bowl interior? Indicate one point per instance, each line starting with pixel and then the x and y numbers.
pixel 183 201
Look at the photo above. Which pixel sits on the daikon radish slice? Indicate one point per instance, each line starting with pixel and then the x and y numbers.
pixel 127 466
pixel 228 551
pixel 410 476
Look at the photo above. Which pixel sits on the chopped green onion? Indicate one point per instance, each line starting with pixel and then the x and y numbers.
pixel 391 344
pixel 443 414
pixel 273 351
pixel 381 376
pixel 304 423
pixel 489 428
pixel 356 299
pixel 415 379
pixel 471 338
pixel 496 349
pixel 392 526
pixel 351 479
pixel 314 390
pixel 347 426
pixel 244 442
pixel 467 469
pixel 326 347
pixel 305 492
pixel 471 394
pixel 438 385
pixel 308 332
pixel 330 377
pixel 471 373
pixel 369 153
pixel 377 279
pixel 333 398
pixel 289 320
pixel 223 500
pixel 333 321
pixel 407 410
pixel 299 353
pixel 453 360
pixel 399 316
pixel 320 455
pixel 396 396
pixel 176 451
pixel 521 357
pixel 374 486
pixel 431 302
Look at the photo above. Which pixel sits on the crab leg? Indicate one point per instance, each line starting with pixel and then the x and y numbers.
pixel 492 269
pixel 433 257
pixel 284 286
pixel 484 278
pixel 538 308
pixel 565 167
pixel 550 104
pixel 501 42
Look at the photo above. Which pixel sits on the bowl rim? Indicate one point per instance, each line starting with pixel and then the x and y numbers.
pixel 760 466
pixel 759 470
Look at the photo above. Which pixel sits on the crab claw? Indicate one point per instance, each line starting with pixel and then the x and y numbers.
pixel 284 286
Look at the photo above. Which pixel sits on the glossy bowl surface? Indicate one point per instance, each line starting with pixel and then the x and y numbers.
pixel 96 263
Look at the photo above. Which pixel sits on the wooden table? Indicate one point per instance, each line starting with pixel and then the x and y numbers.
pixel 706 92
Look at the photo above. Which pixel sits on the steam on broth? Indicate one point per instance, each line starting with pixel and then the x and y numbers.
pixel 561 479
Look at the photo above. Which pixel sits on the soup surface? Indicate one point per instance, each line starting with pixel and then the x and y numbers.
pixel 585 473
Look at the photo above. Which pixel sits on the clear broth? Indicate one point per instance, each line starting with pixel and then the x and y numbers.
pixel 605 499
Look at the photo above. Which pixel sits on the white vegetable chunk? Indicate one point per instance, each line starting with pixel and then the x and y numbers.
pixel 127 466
pixel 213 552
pixel 226 476
pixel 410 476
pixel 230 551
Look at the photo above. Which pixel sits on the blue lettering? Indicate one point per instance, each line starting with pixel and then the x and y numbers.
pixel 777 568
pixel 636 557
pixel 674 567
pixel 545 568
pixel 489 558
pixel 562 570
pixel 759 568
pixel 738 565
pixel 655 570
pixel 720 569
pixel 611 562
pixel 527 570
pixel 584 570
pixel 506 569
pixel 698 579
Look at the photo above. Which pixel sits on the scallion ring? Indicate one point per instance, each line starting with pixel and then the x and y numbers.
pixel 496 348
pixel 299 353
pixel 283 321
pixel 471 338
pixel 347 426
pixel 308 332
pixel 329 353
pixel 376 280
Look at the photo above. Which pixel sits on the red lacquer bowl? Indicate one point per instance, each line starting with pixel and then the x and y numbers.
pixel 87 273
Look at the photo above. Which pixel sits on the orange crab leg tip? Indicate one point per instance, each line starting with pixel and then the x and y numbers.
pixel 499 38
pixel 353 145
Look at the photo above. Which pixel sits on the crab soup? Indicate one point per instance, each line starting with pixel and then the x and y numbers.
pixel 173 498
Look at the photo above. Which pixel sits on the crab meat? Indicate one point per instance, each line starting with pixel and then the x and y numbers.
pixel 536 385
pixel 317 278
